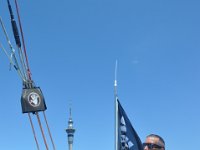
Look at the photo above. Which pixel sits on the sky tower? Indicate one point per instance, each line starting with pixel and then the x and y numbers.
pixel 70 131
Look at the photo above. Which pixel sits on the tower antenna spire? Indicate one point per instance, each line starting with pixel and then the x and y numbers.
pixel 70 112
pixel 70 109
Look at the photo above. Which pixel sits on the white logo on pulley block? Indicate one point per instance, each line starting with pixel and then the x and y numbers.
pixel 34 99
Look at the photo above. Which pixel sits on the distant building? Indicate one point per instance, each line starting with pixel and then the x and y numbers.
pixel 70 131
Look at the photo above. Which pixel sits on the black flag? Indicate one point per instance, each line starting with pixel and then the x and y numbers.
pixel 127 136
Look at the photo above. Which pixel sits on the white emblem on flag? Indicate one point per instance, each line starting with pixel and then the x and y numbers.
pixel 126 144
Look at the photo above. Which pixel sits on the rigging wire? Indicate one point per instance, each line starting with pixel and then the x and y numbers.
pixel 38 118
pixel 16 65
pixel 22 35
pixel 17 39
pixel 33 131
pixel 4 50
pixel 23 66
pixel 49 130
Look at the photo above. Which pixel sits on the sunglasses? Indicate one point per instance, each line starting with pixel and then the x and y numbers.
pixel 152 146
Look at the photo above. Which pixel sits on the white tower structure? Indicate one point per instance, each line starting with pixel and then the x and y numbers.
pixel 70 131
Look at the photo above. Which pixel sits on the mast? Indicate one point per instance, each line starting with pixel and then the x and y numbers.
pixel 116 108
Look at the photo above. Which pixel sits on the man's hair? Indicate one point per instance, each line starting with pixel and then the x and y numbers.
pixel 157 136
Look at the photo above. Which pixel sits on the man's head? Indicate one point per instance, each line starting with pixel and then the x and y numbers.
pixel 154 142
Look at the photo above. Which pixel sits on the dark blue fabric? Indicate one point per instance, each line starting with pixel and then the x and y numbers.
pixel 127 136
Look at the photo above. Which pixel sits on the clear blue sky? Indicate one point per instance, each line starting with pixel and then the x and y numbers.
pixel 72 47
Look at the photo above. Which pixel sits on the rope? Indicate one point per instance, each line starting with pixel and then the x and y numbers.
pixel 16 65
pixel 17 39
pixel 21 31
pixel 49 131
pixel 33 131
pixel 42 130
pixel 23 65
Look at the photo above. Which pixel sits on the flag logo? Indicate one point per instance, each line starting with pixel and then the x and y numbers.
pixel 126 144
